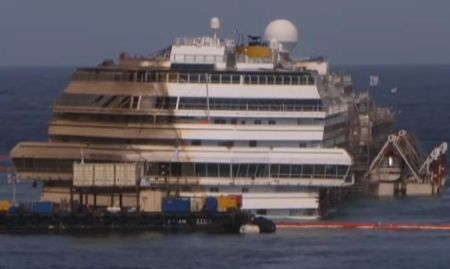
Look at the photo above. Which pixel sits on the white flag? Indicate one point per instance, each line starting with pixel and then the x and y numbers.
pixel 374 80
pixel 394 90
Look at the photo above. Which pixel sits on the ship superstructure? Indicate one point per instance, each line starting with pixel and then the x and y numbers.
pixel 206 116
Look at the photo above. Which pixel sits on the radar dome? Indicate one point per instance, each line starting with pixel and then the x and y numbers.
pixel 284 32
pixel 214 24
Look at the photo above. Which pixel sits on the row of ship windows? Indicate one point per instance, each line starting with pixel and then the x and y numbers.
pixel 261 78
pixel 246 170
pixel 156 120
pixel 223 170
pixel 171 142
pixel 189 103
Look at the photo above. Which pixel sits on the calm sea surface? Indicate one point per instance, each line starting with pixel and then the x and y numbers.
pixel 422 103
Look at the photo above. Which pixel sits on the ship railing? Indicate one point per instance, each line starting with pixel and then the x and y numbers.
pixel 335 109
pixel 252 107
pixel 202 106
pixel 191 77
pixel 198 41
pixel 245 59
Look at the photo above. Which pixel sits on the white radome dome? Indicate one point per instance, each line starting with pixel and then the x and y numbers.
pixel 214 24
pixel 284 32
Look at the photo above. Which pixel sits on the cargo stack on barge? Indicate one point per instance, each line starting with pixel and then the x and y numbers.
pixel 209 117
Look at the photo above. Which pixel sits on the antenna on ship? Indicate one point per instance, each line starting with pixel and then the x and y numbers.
pixel 82 155
pixel 214 25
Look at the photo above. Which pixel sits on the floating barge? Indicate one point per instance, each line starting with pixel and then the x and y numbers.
pixel 226 222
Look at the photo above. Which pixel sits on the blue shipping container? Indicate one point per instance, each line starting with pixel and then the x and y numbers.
pixel 176 205
pixel 211 204
pixel 42 208
pixel 14 210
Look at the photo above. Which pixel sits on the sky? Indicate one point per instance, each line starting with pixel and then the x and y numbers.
pixel 84 32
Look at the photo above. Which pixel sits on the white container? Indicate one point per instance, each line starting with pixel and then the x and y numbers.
pixel 151 200
pixel 126 174
pixel 83 175
pixel 104 175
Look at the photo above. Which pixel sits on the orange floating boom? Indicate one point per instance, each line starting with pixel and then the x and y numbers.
pixel 366 226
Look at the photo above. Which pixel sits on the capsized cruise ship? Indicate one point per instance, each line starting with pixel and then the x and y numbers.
pixel 209 116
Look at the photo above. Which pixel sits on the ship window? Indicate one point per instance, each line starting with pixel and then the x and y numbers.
pixel 196 142
pixel 244 190
pixel 213 169
pixel 240 170
pixel 252 170
pixel 261 211
pixel 243 170
pixel 188 169
pixel 285 170
pixel 288 80
pixel 175 169
pixel 224 170
pixel 274 170
pixel 234 170
pixel 214 78
pixel 220 121
pixel 296 170
pixel 173 77
pixel 214 189
pixel 134 102
pixel 200 169
pixel 183 78
pixel 164 169
pixel 152 169
pixel 271 122
pixel 151 77
pixel 342 170
pixel 307 170
pixel 258 122
pixel 330 171
pixel 227 144
pixel 247 79
pixel 319 170
pixel 262 170
pixel 194 78
pixel 226 79
pixel 303 80
pixel 235 79
pixel 252 143
pixel 278 79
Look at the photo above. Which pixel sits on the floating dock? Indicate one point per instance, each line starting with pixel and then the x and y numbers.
pixel 229 222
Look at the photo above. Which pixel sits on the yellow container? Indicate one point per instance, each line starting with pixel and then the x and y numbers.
pixel 4 206
pixel 227 203
pixel 256 51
